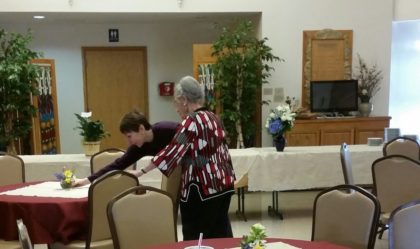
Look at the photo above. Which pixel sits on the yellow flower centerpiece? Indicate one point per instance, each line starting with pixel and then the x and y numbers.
pixel 66 178
pixel 255 239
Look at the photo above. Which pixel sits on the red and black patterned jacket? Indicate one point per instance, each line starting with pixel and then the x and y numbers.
pixel 199 147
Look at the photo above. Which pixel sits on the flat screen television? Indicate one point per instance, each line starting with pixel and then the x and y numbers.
pixel 334 96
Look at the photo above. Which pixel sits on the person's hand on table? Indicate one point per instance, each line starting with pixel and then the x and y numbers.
pixel 80 182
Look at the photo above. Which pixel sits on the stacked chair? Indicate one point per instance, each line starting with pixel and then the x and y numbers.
pixel 100 193
pixel 140 217
pixel 346 215
pixel 105 157
pixel 12 169
pixel 172 186
pixel 346 164
pixel 402 146
pixel 395 181
pixel 404 226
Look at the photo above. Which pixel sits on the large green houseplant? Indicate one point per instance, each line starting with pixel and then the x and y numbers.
pixel 242 67
pixel 92 131
pixel 17 85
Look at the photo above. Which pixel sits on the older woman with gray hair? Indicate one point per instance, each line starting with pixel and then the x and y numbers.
pixel 199 147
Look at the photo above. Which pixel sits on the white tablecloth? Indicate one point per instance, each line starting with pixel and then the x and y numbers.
pixel 310 167
pixel 43 167
pixel 296 168
pixel 49 189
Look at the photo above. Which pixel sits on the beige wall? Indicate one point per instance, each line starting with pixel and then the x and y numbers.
pixel 406 10
pixel 169 44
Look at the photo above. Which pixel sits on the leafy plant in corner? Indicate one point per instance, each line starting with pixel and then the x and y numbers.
pixel 90 130
pixel 241 69
pixel 17 85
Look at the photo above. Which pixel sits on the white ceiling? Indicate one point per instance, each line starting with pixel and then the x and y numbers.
pixel 121 18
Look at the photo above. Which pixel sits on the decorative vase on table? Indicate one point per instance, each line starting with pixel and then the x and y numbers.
pixel 365 108
pixel 65 184
pixel 279 142
pixel 66 178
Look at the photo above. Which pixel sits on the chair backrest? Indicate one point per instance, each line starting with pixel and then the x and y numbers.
pixel 396 180
pixel 12 169
pixel 346 164
pixel 24 239
pixel 101 192
pixel 103 158
pixel 141 216
pixel 404 226
pixel 402 146
pixel 172 185
pixel 346 215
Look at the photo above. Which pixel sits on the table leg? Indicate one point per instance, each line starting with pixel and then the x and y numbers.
pixel 274 209
pixel 241 204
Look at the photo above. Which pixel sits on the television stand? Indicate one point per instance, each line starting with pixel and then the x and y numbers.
pixel 332 115
pixel 336 130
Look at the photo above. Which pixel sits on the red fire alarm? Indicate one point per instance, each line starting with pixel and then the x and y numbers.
pixel 166 89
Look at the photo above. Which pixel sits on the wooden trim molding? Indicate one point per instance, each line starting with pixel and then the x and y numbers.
pixel 327 55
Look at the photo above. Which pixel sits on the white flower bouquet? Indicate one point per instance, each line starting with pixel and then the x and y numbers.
pixel 280 120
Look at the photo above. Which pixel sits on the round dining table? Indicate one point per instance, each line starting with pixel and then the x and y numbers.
pixel 48 219
pixel 223 243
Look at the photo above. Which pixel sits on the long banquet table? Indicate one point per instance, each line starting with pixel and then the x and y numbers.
pixel 299 167
pixel 307 167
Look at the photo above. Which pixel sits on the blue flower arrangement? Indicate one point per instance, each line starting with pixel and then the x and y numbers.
pixel 280 120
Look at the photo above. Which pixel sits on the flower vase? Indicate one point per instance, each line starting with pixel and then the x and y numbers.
pixel 65 185
pixel 279 142
pixel 365 108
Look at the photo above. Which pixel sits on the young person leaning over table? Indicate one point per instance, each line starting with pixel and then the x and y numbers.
pixel 198 147
pixel 143 138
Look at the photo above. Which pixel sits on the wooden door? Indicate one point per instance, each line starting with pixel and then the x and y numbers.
pixel 115 82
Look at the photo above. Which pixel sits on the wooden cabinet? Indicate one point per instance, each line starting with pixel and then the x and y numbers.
pixel 336 131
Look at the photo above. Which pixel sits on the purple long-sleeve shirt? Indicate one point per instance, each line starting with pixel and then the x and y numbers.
pixel 163 132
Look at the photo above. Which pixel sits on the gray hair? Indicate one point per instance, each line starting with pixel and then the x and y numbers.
pixel 189 88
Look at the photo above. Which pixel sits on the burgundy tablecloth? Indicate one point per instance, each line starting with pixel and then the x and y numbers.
pixel 234 242
pixel 47 219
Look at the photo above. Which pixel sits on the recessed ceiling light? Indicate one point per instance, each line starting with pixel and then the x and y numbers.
pixel 39 17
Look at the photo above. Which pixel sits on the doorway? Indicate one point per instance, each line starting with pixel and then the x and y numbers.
pixel 115 82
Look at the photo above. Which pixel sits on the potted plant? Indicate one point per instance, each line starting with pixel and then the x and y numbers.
pixel 17 84
pixel 92 131
pixel 240 70
pixel 369 84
